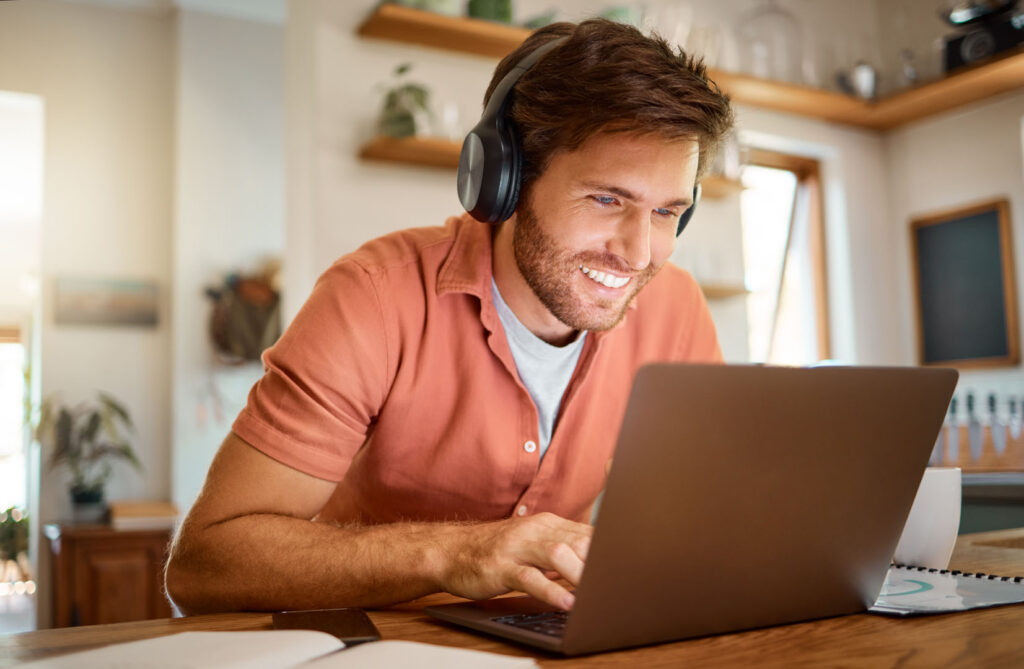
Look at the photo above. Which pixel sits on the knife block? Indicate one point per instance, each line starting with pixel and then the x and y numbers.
pixel 1012 459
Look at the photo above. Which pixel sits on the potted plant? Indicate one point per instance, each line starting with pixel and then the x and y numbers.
pixel 13 544
pixel 406 109
pixel 87 438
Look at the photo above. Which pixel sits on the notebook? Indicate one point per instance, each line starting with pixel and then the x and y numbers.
pixel 278 649
pixel 740 497
pixel 915 591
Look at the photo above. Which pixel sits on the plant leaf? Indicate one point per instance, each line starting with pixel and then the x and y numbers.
pixel 87 434
pixel 45 424
pixel 62 439
pixel 117 408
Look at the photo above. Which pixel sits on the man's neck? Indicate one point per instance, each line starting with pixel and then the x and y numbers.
pixel 518 295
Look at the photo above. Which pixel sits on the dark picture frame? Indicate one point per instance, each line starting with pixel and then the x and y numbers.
pixel 965 288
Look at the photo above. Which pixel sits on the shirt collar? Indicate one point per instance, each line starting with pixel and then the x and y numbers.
pixel 467 269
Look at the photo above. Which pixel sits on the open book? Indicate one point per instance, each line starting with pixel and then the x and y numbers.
pixel 914 591
pixel 278 649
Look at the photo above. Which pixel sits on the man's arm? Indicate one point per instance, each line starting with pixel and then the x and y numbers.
pixel 249 543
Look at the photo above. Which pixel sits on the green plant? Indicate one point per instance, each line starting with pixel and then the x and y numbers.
pixel 86 438
pixel 13 534
pixel 406 106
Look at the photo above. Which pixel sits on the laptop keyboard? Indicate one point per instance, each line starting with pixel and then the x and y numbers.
pixel 551 623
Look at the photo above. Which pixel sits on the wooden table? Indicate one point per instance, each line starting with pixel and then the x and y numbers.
pixel 983 638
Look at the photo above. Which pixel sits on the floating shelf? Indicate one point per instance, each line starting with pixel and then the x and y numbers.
pixel 494 40
pixel 436 152
pixel 416 26
pixel 721 291
pixel 428 151
pixel 717 187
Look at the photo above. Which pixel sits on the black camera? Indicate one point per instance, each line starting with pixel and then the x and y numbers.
pixel 985 39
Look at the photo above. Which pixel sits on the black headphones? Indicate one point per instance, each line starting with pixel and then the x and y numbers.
pixel 491 163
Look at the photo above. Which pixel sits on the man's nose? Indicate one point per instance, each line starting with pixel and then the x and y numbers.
pixel 633 241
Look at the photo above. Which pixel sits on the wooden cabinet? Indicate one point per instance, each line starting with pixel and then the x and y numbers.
pixel 102 575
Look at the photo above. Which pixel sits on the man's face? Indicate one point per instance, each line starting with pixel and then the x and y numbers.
pixel 600 222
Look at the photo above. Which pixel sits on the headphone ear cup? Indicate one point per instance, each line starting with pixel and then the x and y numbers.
pixel 489 169
pixel 685 218
pixel 507 200
pixel 688 214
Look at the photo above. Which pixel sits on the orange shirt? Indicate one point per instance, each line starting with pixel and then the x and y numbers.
pixel 396 380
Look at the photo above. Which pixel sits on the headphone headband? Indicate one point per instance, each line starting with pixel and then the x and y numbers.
pixel 501 95
pixel 491 162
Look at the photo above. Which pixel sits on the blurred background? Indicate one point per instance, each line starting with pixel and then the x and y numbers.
pixel 175 174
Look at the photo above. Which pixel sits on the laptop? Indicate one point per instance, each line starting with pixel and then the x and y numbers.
pixel 740 497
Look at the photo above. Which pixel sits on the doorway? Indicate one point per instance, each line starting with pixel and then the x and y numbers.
pixel 21 204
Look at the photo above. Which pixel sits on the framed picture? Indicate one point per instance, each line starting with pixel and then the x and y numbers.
pixel 965 287
pixel 105 302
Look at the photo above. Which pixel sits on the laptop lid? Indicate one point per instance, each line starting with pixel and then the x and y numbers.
pixel 749 496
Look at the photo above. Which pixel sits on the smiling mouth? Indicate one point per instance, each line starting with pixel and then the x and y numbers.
pixel 608 280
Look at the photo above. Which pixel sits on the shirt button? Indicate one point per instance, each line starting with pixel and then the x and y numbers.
pixel 530 446
pixel 521 511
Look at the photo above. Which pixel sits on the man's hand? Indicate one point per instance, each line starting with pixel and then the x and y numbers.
pixel 249 544
pixel 517 554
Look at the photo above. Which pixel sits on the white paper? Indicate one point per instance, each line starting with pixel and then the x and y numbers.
pixel 280 649
pixel 911 591
pixel 389 654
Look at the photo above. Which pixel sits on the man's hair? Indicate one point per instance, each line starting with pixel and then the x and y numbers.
pixel 610 77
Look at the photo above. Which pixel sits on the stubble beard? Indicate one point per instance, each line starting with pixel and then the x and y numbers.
pixel 550 270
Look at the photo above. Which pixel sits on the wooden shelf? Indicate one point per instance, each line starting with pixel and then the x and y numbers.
pixel 416 26
pixel 428 151
pixel 721 291
pixel 718 187
pixel 485 38
pixel 436 152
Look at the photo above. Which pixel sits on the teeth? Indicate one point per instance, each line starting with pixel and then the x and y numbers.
pixel 605 279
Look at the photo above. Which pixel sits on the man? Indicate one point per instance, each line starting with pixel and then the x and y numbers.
pixel 441 414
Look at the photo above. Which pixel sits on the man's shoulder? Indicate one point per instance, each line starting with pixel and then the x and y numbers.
pixel 402 248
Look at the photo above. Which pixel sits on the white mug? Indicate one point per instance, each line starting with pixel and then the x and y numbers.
pixel 931 528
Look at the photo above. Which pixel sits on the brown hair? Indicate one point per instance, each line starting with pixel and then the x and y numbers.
pixel 610 77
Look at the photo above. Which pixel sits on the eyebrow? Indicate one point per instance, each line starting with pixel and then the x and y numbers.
pixel 629 195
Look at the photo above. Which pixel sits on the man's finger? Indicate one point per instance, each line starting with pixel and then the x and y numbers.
pixel 557 556
pixel 531 581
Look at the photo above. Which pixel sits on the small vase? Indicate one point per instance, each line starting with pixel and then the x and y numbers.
pixel 87 505
pixel 491 10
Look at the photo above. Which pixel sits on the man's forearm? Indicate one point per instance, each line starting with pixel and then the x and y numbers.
pixel 264 562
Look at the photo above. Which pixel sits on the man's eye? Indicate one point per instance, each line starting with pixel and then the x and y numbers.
pixel 605 199
pixel 665 212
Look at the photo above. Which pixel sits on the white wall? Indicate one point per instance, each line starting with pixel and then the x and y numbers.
pixel 959 158
pixel 164 162
pixel 21 197
pixel 229 214
pixel 336 201
pixel 105 79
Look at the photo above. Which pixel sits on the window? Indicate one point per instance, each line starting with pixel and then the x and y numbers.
pixel 12 403
pixel 784 259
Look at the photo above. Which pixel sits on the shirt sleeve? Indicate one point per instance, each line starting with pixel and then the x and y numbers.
pixel 325 379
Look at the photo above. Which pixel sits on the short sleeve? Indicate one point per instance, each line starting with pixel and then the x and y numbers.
pixel 325 379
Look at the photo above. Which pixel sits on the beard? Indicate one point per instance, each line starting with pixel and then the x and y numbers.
pixel 553 273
